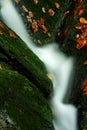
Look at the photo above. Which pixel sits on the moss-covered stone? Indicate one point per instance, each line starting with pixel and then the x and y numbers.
pixel 24 104
pixel 22 59
pixel 52 23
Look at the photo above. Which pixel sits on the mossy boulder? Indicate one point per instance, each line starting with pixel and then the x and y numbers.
pixel 22 104
pixel 19 57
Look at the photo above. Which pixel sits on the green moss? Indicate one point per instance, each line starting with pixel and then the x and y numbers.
pixel 26 62
pixel 23 102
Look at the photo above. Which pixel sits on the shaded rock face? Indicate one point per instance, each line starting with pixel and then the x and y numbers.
pixel 5 121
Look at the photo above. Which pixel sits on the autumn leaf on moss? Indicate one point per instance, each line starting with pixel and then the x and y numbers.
pixel 84 87
pixel 78 7
pixel 81 38
pixel 11 34
pixel 85 63
pixel 2 25
pixel 17 1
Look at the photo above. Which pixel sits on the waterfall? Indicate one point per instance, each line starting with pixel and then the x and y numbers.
pixel 56 63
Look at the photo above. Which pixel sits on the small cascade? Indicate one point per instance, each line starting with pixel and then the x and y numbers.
pixel 56 63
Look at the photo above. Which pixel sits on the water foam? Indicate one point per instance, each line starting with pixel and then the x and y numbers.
pixel 57 64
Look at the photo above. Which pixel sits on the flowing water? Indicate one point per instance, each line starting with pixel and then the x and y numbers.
pixel 56 63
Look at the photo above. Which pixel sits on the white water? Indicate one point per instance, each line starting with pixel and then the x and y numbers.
pixel 57 64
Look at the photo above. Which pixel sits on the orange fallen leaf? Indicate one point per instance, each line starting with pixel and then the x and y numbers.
pixel 85 63
pixel 83 20
pixel 79 25
pixel 81 12
pixel 51 12
pixel 84 83
pixel 24 8
pixel 84 86
pixel 57 5
pixel 34 26
pixel 11 34
pixel 81 43
pixel 1 32
pixel 67 12
pixel 44 28
pixel 85 91
pixel 40 22
pixel 31 15
pixel 35 1
pixel 17 1
pixel 66 32
pixel 2 25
